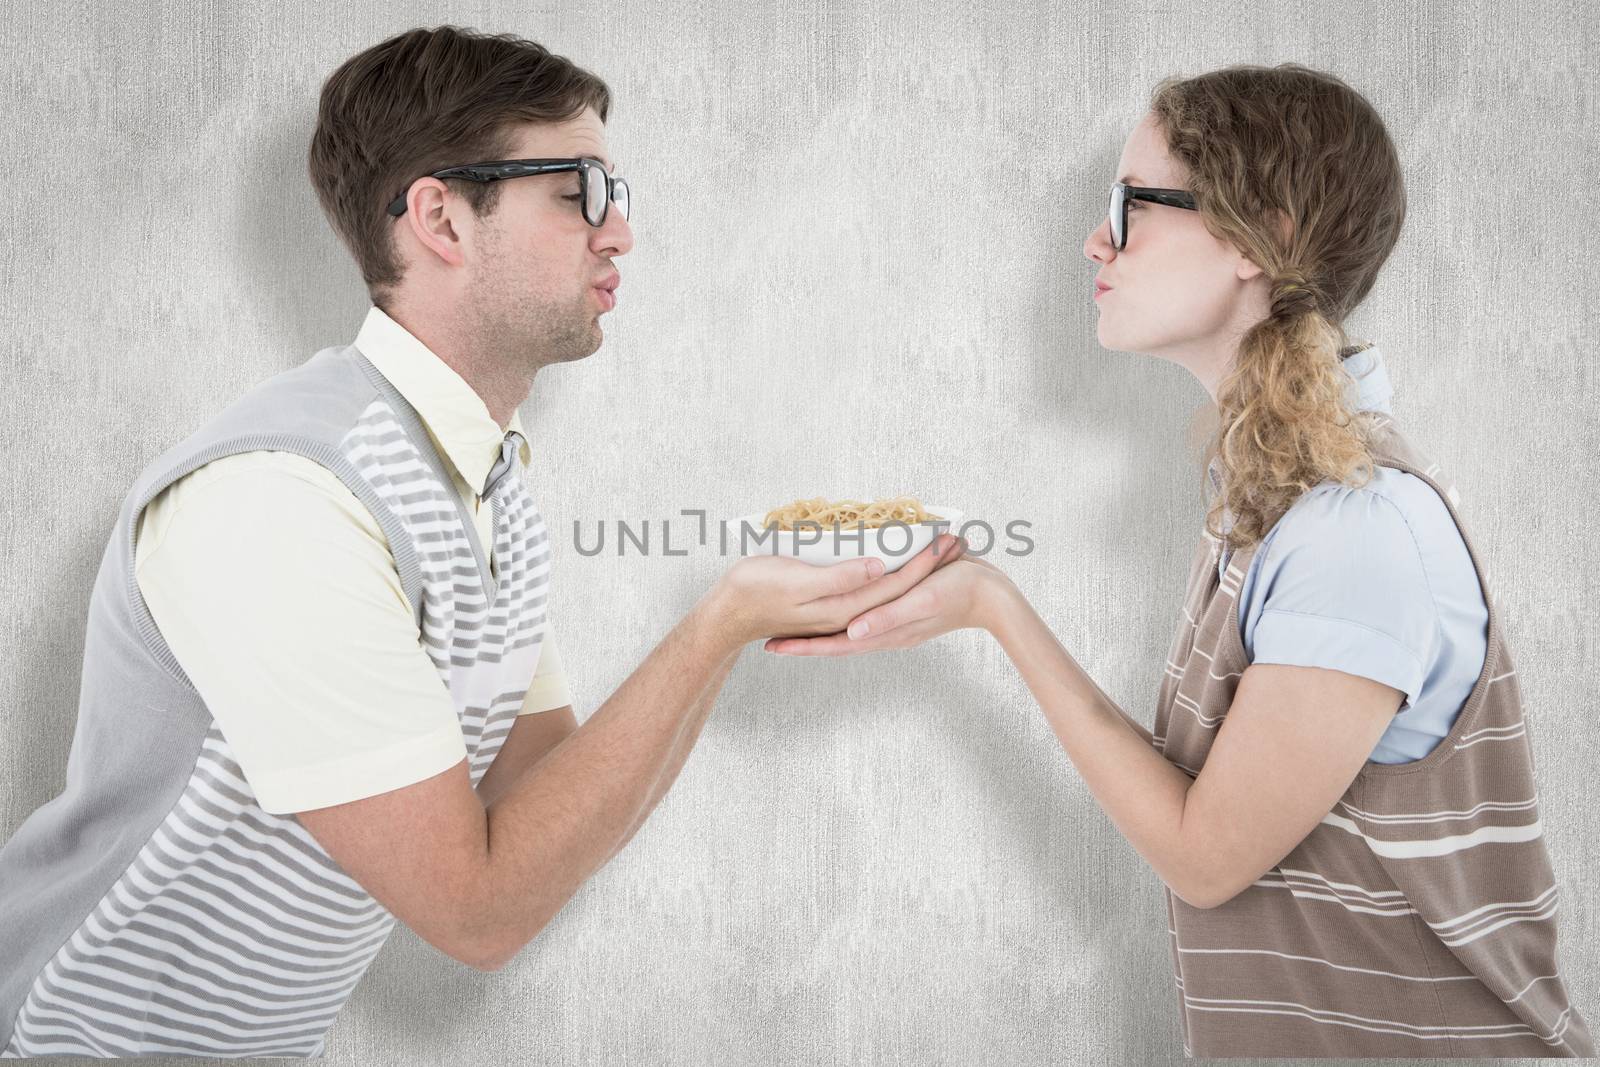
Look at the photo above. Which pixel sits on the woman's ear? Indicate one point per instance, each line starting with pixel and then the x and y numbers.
pixel 1249 268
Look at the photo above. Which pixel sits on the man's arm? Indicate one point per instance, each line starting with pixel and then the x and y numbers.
pixel 543 722
pixel 532 737
pixel 688 734
pixel 478 882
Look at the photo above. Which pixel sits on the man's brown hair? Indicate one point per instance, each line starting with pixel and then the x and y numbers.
pixel 421 101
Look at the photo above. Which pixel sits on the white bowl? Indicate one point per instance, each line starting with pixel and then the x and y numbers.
pixel 889 543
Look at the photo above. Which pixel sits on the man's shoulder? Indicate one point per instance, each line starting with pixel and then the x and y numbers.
pixel 309 408
pixel 276 472
pixel 284 492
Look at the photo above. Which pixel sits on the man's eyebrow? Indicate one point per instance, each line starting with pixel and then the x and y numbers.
pixel 1128 179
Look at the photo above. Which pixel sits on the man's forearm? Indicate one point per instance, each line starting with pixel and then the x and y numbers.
pixel 570 813
pixel 688 734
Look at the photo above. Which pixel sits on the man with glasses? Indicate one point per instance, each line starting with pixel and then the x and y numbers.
pixel 597 187
pixel 320 690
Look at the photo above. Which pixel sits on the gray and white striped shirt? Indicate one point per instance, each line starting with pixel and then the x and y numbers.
pixel 154 907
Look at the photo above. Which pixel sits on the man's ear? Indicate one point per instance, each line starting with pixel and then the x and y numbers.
pixel 431 219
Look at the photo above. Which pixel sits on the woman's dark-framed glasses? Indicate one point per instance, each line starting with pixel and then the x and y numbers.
pixel 1122 193
pixel 597 189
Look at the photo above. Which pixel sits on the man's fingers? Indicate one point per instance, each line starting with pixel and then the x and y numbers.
pixel 849 575
pixel 893 585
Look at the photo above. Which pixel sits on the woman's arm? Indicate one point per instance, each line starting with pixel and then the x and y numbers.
pixel 1293 740
pixel 1143 794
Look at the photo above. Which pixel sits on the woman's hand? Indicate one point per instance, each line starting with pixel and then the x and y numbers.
pixel 966 592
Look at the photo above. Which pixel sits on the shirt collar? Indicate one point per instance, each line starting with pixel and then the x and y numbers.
pixel 450 409
pixel 1371 391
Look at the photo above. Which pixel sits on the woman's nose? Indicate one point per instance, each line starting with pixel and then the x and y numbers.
pixel 1097 246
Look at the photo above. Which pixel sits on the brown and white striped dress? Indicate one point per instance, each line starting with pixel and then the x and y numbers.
pixel 1419 917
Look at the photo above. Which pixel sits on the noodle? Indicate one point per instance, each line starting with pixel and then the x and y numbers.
pixel 906 509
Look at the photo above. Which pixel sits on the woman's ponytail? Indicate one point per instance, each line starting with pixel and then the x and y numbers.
pixel 1284 422
pixel 1295 169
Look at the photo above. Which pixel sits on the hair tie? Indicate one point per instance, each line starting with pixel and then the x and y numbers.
pixel 1293 298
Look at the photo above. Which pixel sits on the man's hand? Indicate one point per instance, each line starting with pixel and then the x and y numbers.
pixel 763 596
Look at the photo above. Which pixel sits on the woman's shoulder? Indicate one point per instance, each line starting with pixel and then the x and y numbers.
pixel 1390 496
pixel 1394 533
pixel 1336 511
pixel 1341 581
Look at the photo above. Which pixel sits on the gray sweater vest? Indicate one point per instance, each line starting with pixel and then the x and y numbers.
pixel 153 907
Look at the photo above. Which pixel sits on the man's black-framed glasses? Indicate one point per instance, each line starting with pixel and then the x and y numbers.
pixel 597 189
pixel 1122 193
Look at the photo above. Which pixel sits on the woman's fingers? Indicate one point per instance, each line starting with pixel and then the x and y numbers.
pixel 916 604
pixel 906 635
pixel 897 611
pixel 890 586
pixel 952 551
pixel 833 645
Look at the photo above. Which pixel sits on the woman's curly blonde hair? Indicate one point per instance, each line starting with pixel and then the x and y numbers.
pixel 1295 169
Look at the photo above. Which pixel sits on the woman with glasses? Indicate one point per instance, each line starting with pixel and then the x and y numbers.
pixel 1338 791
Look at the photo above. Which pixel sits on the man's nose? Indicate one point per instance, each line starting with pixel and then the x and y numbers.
pixel 615 235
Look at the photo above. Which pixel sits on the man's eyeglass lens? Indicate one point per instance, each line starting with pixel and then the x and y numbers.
pixel 595 194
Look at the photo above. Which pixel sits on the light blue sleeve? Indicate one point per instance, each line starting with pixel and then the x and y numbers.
pixel 1340 584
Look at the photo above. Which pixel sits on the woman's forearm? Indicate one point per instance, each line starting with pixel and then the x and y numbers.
pixel 1142 793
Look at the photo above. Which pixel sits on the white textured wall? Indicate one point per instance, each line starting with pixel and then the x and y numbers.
pixel 885 860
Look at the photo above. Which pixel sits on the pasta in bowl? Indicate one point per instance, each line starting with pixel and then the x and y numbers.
pixel 822 531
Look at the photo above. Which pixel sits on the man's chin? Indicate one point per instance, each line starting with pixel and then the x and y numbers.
pixel 580 347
